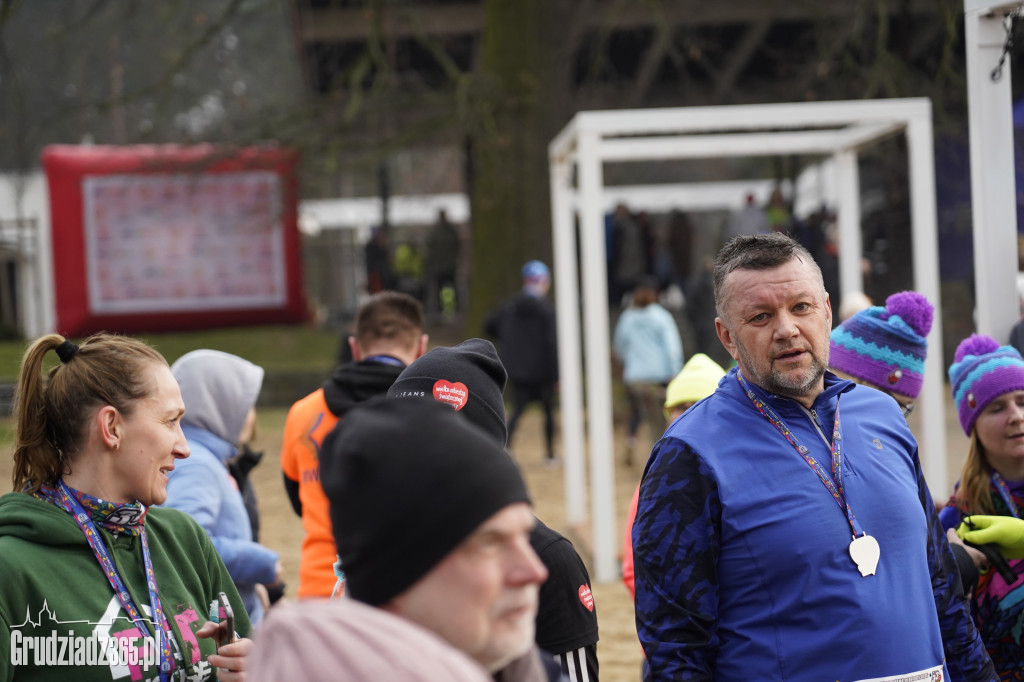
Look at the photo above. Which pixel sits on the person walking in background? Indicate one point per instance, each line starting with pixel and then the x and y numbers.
pixel 432 521
pixel 787 514
pixel 681 242
pixel 387 336
pixel 647 346
pixel 84 552
pixel 380 276
pixel 470 378
pixel 777 211
pixel 442 261
pixel 525 331
pixel 220 392
pixel 749 219
pixel 988 389
pixel 630 253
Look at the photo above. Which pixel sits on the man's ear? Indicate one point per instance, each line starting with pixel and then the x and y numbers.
pixel 357 352
pixel 726 337
pixel 828 307
pixel 110 426
pixel 422 347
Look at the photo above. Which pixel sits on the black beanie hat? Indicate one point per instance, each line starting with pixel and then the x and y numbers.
pixel 408 481
pixel 469 377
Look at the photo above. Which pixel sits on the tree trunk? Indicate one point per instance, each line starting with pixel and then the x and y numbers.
pixel 508 166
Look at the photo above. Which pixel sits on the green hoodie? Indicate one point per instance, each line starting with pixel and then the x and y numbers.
pixel 54 595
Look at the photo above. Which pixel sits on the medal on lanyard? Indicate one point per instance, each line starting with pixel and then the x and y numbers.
pixel 864 549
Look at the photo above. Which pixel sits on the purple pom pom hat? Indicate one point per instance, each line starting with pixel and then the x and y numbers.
pixel 982 370
pixel 886 347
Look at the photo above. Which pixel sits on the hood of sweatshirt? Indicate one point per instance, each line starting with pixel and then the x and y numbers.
pixel 219 389
pixel 357 382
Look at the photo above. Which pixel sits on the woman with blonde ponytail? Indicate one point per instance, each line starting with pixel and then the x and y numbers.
pixel 124 588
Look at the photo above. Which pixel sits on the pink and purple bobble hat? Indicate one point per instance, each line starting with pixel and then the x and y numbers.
pixel 982 370
pixel 886 347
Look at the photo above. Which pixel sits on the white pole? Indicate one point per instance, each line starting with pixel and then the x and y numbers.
pixel 570 361
pixel 925 253
pixel 851 279
pixel 993 196
pixel 598 356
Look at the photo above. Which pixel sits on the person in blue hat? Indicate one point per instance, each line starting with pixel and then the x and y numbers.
pixel 523 328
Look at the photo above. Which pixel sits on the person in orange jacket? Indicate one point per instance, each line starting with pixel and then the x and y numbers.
pixel 388 335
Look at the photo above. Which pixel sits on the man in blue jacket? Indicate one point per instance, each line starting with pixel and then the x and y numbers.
pixel 784 529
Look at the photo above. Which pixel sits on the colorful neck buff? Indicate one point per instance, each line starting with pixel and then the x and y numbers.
pixel 117 518
pixel 129 518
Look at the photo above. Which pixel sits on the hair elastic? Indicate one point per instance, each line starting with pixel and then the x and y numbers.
pixel 66 351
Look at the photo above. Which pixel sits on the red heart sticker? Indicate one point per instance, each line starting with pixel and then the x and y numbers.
pixel 587 597
pixel 454 394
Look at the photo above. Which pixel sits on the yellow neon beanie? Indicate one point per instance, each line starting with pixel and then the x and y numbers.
pixel 697 379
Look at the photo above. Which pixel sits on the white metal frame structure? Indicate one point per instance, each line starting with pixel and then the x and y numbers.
pixel 993 190
pixel 591 139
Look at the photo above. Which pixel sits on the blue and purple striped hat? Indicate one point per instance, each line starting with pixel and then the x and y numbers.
pixel 982 370
pixel 886 347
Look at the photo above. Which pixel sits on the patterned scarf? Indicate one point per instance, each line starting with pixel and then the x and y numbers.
pixel 117 518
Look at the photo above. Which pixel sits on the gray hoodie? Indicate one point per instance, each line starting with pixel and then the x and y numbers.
pixel 219 389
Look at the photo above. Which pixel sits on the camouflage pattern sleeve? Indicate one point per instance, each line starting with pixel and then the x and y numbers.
pixel 675 544
pixel 966 657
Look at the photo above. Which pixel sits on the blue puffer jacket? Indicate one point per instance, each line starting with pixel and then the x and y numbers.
pixel 743 569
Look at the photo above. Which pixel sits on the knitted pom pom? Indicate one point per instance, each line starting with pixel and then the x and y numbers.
pixel 975 344
pixel 913 308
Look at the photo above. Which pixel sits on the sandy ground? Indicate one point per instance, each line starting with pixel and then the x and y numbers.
pixel 619 651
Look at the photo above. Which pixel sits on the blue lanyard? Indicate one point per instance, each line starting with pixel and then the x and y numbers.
pixel 160 626
pixel 1004 492
pixel 833 483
